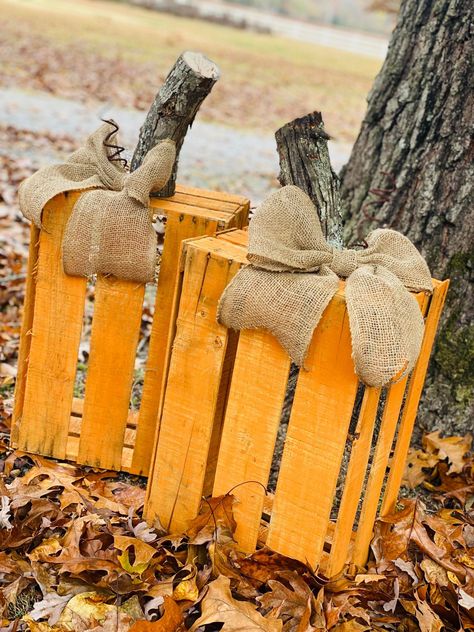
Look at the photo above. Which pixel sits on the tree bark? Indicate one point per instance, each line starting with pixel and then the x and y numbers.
pixel 412 169
pixel 175 106
pixel 302 146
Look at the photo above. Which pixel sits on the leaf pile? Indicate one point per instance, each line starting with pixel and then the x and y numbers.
pixel 75 554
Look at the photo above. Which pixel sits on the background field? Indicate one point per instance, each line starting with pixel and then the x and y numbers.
pixel 108 51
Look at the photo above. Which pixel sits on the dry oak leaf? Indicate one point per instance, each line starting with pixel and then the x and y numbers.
pixel 187 589
pixel 416 462
pixel 351 626
pixel 290 601
pixel 215 519
pixel 143 553
pixel 171 620
pixel 266 564
pixel 218 606
pixel 427 619
pixel 452 448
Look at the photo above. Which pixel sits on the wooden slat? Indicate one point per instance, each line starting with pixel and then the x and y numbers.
pixel 213 195
pixel 129 435
pixel 77 406
pixel 315 440
pixel 354 481
pixel 388 425
pixel 413 397
pixel 250 428
pixel 57 324
pixel 214 204
pixel 193 389
pixel 114 338
pixel 215 441
pixel 178 228
pixel 26 332
pixel 239 237
pixel 165 206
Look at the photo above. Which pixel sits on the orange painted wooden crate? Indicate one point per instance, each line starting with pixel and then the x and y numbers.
pixel 102 430
pixel 221 413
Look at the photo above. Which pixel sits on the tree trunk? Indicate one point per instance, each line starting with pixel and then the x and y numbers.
pixel 412 169
pixel 302 146
pixel 187 85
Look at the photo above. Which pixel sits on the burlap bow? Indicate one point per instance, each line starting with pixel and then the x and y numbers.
pixel 110 229
pixel 294 273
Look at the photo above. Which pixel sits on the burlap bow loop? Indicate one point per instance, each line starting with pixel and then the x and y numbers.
pixel 111 232
pixel 86 168
pixel 294 273
pixel 110 228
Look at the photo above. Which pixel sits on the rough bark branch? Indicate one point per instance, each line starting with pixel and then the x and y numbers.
pixel 187 85
pixel 304 161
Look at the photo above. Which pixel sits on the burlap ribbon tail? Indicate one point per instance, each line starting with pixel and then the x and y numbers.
pixel 293 275
pixel 110 229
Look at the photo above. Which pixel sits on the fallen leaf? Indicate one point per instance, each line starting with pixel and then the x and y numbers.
pixel 50 607
pixel 368 578
pixel 143 553
pixel 216 516
pixel 466 601
pixel 218 606
pixel 452 448
pixel 416 464
pixel 290 601
pixel 171 620
pixel 351 626
pixel 427 619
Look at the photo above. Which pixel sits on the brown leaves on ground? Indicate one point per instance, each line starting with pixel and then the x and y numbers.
pixel 75 554
pixel 450 453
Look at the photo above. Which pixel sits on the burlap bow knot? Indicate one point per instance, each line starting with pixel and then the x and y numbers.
pixel 110 229
pixel 294 273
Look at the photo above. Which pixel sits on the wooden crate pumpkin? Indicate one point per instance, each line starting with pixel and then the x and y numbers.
pixel 221 414
pixel 101 430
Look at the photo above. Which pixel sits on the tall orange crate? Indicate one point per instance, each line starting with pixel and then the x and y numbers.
pixel 222 408
pixel 101 430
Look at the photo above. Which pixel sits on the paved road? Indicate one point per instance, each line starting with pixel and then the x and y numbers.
pixel 338 38
pixel 213 156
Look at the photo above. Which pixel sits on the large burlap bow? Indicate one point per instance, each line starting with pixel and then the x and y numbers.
pixel 294 273
pixel 110 229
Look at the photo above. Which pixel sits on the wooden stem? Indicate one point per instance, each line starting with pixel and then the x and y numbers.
pixel 187 85
pixel 304 161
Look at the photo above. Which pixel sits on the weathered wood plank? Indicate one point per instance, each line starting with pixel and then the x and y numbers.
pixel 193 388
pixel 56 333
pixel 413 397
pixel 388 425
pixel 315 441
pixel 26 332
pixel 354 481
pixel 179 227
pixel 250 429
pixel 114 338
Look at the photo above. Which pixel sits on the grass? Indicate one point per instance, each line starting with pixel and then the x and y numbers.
pixel 104 49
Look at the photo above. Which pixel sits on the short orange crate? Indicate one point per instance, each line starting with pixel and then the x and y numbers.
pixel 102 430
pixel 222 409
